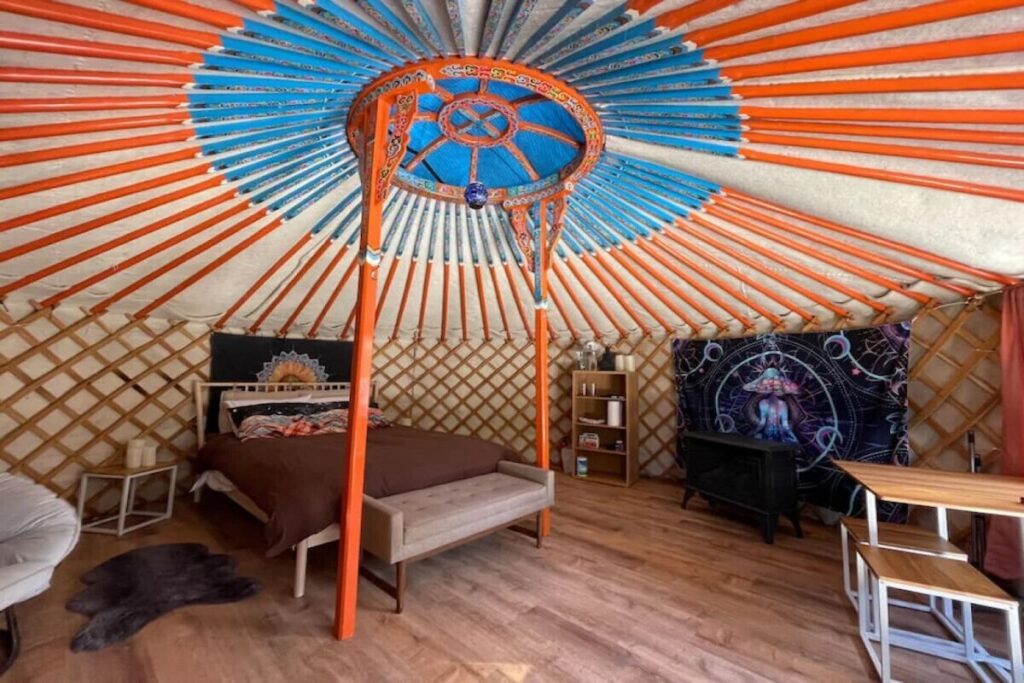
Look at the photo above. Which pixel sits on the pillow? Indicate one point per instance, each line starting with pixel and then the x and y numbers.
pixel 238 413
pixel 224 421
pixel 333 421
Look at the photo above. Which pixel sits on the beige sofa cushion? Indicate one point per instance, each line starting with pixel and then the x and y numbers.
pixel 450 512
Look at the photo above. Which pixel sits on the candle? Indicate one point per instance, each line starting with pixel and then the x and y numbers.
pixel 149 456
pixel 630 364
pixel 133 457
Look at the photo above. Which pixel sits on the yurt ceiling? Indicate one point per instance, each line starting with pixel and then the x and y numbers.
pixel 735 166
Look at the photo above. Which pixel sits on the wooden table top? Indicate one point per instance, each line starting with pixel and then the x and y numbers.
pixel 993 494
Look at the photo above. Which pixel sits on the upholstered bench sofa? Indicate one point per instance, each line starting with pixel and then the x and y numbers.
pixel 37 531
pixel 412 526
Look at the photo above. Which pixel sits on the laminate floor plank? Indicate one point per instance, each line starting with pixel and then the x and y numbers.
pixel 629 587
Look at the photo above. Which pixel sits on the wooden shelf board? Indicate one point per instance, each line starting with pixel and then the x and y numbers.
pixel 610 451
pixel 605 478
pixel 587 424
pixel 603 398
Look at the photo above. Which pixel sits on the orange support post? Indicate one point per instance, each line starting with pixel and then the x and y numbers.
pixel 540 358
pixel 382 151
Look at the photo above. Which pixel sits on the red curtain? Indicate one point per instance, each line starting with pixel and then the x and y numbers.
pixel 1005 555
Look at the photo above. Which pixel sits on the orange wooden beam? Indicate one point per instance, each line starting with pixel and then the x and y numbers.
pixel 312 291
pixel 512 285
pixel 659 240
pixel 445 290
pixel 135 259
pixel 480 299
pixel 694 10
pixel 500 299
pixel 874 239
pixel 654 289
pixel 262 279
pixel 14 74
pixel 690 229
pixel 63 13
pixel 948 184
pixel 36 156
pixel 295 278
pixel 861 86
pixel 775 16
pixel 943 10
pixel 200 249
pixel 642 301
pixel 565 317
pixel 575 299
pixel 222 20
pixel 592 265
pixel 846 248
pixel 409 276
pixel 98 222
pixel 51 104
pixel 541 378
pixel 897 115
pixel 123 238
pixel 52 130
pixel 329 304
pixel 795 266
pixel 99 198
pixel 954 156
pixel 816 253
pixel 211 266
pixel 598 300
pixel 11 40
pixel 918 52
pixel 462 300
pixel 984 137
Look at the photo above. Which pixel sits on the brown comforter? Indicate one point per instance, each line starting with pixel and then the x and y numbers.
pixel 296 481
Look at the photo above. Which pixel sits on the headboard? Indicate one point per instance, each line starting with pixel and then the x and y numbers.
pixel 201 393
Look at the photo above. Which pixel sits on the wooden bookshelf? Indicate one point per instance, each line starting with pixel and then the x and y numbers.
pixel 605 464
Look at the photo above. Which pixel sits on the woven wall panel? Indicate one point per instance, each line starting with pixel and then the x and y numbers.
pixel 75 387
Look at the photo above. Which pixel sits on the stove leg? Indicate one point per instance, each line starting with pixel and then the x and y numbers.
pixel 768 524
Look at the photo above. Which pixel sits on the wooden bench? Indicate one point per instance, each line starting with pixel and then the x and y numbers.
pixel 411 526
pixel 937 577
pixel 903 537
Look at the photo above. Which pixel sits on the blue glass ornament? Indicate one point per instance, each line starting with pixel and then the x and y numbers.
pixel 476 195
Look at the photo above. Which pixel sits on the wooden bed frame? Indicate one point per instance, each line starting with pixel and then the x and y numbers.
pixel 201 395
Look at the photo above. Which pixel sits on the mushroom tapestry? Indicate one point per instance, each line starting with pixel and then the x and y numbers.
pixel 839 395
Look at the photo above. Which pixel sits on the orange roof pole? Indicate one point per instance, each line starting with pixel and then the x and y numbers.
pixel 423 299
pixel 202 248
pixel 124 190
pixel 13 74
pixel 590 261
pixel 746 322
pixel 88 226
pixel 53 153
pixel 445 289
pixel 695 10
pixel 83 48
pixel 775 16
pixel 143 255
pixel 261 280
pixel 856 86
pixel 599 301
pixel 222 20
pixel 480 298
pixel 955 156
pixel 873 23
pixel 614 273
pixel 669 303
pixel 409 275
pixel 565 318
pixel 519 302
pixel 123 238
pixel 818 254
pixel 211 266
pixel 934 182
pixel 790 305
pixel 63 13
pixel 462 298
pixel 332 298
pixel 575 299
pixel 47 104
pixel 292 281
pixel 873 239
pixel 382 150
pixel 52 130
pixel 916 52
pixel 795 266
pixel 985 137
pixel 899 115
pixel 392 270
pixel 733 205
pixel 501 300
pixel 107 171
pixel 311 291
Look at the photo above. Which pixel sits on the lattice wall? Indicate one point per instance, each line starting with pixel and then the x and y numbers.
pixel 75 387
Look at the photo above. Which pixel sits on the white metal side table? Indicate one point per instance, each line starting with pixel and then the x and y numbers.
pixel 126 508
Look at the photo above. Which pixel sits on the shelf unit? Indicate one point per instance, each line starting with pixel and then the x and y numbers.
pixel 605 464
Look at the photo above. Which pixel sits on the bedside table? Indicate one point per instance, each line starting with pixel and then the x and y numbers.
pixel 126 509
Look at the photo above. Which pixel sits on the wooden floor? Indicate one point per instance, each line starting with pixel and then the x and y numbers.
pixel 628 588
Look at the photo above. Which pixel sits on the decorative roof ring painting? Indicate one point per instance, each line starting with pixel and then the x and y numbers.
pixel 730 166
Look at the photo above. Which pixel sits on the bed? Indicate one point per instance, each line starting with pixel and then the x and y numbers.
pixel 293 484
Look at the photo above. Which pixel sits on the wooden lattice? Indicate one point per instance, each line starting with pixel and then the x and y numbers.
pixel 75 387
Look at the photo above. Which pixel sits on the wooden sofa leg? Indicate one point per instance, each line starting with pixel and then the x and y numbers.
pixel 540 529
pixel 399 587
pixel 301 553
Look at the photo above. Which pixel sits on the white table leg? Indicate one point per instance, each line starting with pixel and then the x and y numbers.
pixel 170 492
pixel 871 507
pixel 1013 634
pixel 122 510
